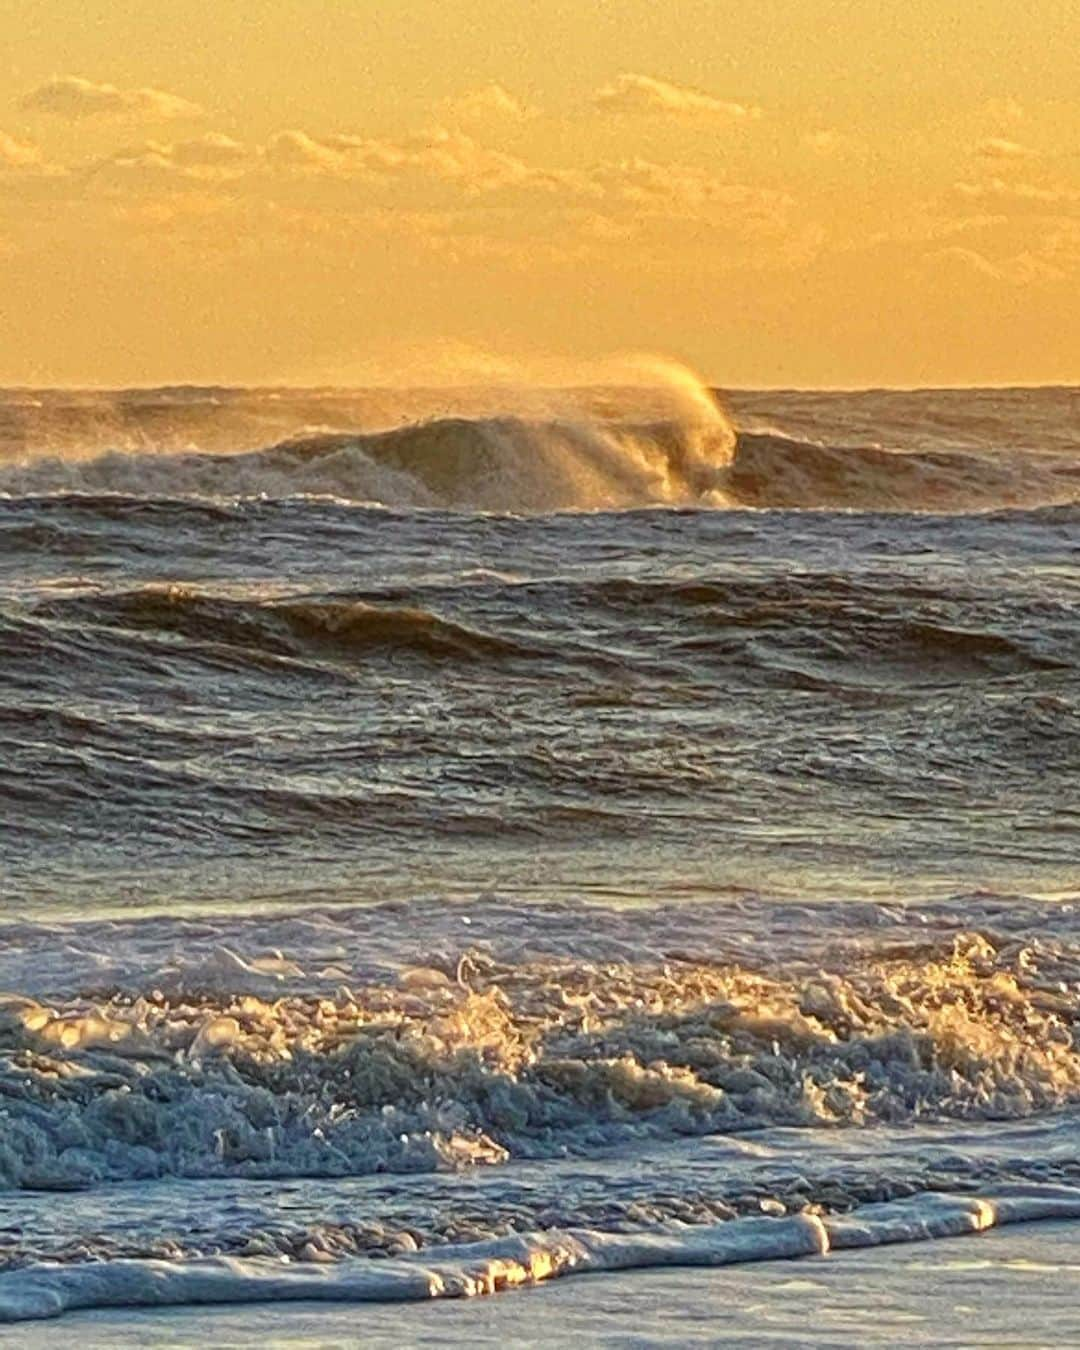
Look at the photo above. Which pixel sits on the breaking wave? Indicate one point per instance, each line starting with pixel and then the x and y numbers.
pixel 511 464
pixel 147 1050
pixel 776 471
pixel 237 1060
pixel 486 464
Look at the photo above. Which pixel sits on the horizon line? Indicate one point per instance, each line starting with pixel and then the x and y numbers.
pixel 711 386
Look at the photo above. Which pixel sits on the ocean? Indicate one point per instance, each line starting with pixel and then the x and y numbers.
pixel 451 839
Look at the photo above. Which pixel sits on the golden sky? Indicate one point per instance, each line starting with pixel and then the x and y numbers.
pixel 783 192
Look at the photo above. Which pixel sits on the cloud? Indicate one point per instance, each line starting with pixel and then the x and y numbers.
pixel 488 102
pixel 436 160
pixel 297 150
pixel 968 260
pixel 1002 193
pixel 18 154
pixel 455 157
pixel 26 160
pixel 440 154
pixel 630 93
pixel 682 193
pixel 1027 268
pixel 212 150
pixel 212 156
pixel 642 182
pixel 997 147
pixel 134 170
pixel 75 98
pixel 926 227
pixel 172 212
pixel 458 160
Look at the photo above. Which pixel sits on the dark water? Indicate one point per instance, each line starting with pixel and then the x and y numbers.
pixel 216 697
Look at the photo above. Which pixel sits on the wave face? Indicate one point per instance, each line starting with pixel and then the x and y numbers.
pixel 493 464
pixel 601 455
pixel 428 867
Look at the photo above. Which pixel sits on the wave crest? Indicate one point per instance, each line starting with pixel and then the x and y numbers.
pixel 301 627
pixel 509 464
pixel 485 464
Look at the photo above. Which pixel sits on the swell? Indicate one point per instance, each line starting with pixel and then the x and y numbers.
pixel 775 471
pixel 510 464
pixel 344 629
pixel 830 626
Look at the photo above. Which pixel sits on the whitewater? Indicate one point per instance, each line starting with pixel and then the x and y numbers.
pixel 452 840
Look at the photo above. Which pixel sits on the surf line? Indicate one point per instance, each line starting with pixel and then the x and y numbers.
pixel 50 1289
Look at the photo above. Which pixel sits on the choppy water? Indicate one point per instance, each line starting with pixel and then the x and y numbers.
pixel 432 821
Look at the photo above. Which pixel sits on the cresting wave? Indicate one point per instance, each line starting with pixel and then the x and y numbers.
pixel 484 464
pixel 512 464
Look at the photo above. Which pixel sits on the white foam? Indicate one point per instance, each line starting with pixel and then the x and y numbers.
pixel 48 1289
pixel 219 1056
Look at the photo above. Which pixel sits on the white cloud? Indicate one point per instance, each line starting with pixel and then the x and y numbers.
pixel 297 150
pixel 629 93
pixel 448 156
pixel 458 160
pixel 1030 267
pixel 928 227
pixel 998 147
pixel 211 150
pixel 15 154
pixel 965 259
pixel 642 182
pixel 488 103
pixel 26 159
pixel 213 156
pixel 998 191
pixel 75 98
pixel 452 156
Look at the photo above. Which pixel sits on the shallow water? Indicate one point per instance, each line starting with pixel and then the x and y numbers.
pixel 529 820
pixel 1016 1287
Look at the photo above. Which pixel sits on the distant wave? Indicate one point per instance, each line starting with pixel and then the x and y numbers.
pixel 508 464
pixel 776 471
pixel 485 464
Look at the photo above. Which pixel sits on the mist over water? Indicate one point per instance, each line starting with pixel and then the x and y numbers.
pixel 579 823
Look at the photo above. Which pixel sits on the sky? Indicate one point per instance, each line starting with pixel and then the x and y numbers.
pixel 827 193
